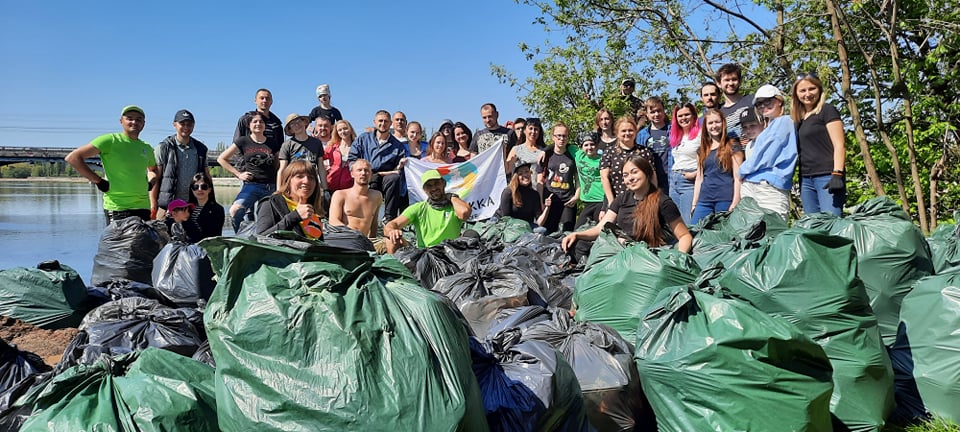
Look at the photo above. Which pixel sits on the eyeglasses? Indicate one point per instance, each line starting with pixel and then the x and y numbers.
pixel 558 136
pixel 804 76
pixel 766 103
pixel 199 187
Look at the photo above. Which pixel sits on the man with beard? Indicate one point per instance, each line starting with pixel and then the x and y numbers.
pixel 730 77
pixel 710 95
pixel 435 219
pixel 357 207
pixel 387 156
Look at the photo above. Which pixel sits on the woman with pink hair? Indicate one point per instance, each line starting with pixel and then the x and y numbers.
pixel 684 142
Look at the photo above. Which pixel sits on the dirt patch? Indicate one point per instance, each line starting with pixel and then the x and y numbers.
pixel 48 344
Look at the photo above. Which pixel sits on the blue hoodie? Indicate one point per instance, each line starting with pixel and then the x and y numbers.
pixel 774 155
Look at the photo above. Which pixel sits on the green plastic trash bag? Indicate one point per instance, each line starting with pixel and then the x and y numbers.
pixel 308 337
pixel 505 230
pixel 152 390
pixel 891 252
pixel 945 248
pixel 810 279
pixel 611 241
pixel 927 352
pixel 51 296
pixel 746 221
pixel 618 290
pixel 715 364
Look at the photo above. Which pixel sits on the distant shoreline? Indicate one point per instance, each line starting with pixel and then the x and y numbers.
pixel 217 181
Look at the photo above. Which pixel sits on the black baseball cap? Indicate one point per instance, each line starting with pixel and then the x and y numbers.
pixel 183 115
pixel 749 116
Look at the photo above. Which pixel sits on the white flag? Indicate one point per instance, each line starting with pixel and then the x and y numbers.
pixel 478 181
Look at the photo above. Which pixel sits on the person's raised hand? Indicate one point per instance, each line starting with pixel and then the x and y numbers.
pixel 303 209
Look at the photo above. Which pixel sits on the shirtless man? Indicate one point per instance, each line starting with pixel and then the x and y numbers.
pixel 357 207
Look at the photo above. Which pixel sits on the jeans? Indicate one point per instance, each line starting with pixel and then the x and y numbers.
pixel 816 198
pixel 249 194
pixel 681 192
pixel 704 209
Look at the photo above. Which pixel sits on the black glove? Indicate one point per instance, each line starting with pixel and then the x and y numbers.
pixel 837 184
pixel 103 185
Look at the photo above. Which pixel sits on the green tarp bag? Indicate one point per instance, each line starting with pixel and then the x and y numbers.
pixel 945 247
pixel 810 279
pixel 51 296
pixel 152 390
pixel 891 253
pixel 308 337
pixel 505 230
pixel 746 221
pixel 618 290
pixel 716 364
pixel 927 352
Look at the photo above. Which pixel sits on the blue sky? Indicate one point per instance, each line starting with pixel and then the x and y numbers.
pixel 69 67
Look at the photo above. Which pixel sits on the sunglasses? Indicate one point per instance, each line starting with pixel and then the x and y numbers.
pixel 199 187
pixel 804 76
pixel 533 121
pixel 766 103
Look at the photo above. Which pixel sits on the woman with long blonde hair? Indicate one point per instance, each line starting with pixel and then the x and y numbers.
pixel 820 143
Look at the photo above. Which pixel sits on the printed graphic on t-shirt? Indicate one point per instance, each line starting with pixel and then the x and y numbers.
pixel 489 140
pixel 559 179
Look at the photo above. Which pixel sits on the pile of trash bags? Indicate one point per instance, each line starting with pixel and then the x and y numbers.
pixel 831 324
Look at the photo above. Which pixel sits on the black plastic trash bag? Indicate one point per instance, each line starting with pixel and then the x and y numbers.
pixel 204 355
pixel 16 365
pixel 182 274
pixel 149 391
pixel 714 364
pixel 543 253
pixel 481 291
pixel 307 336
pixel 11 416
pixel 617 290
pixel 126 251
pixel 464 250
pixel 346 238
pixel 427 265
pixel 516 319
pixel 133 324
pixel 926 355
pixel 51 296
pixel 810 279
pixel 891 252
pixel 527 386
pixel 603 363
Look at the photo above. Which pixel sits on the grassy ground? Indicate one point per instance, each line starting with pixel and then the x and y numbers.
pixel 936 425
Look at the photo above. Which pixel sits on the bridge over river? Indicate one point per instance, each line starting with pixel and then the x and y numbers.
pixel 12 155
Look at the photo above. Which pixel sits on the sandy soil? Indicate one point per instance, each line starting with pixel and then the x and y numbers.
pixel 48 344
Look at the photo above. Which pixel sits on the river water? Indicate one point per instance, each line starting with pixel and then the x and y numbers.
pixel 50 219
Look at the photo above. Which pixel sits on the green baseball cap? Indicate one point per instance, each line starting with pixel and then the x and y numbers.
pixel 129 108
pixel 430 175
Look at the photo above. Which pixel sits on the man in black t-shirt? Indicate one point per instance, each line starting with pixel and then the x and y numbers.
pixel 274 127
pixel 559 180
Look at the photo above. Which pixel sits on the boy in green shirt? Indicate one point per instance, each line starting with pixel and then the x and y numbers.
pixel 435 219
pixel 587 159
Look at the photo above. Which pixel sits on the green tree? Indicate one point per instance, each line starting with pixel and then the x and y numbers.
pixel 891 65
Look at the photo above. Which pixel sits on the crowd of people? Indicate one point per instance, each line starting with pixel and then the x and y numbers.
pixel 650 175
